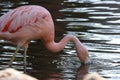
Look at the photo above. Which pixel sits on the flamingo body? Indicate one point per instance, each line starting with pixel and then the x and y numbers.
pixel 18 20
pixel 31 22
pixel 21 16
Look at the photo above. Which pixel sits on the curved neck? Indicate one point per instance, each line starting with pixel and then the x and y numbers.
pixel 82 52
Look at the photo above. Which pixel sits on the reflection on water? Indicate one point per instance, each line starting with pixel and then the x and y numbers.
pixel 95 22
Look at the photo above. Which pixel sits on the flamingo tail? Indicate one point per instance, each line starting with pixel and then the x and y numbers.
pixel 5 35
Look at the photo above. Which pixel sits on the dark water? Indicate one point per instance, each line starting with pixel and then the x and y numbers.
pixel 95 22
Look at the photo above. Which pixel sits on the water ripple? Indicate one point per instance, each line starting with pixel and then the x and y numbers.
pixel 95 22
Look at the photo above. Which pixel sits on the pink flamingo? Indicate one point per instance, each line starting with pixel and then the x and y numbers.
pixel 26 23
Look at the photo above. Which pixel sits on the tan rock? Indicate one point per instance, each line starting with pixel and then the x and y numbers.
pixel 93 76
pixel 12 74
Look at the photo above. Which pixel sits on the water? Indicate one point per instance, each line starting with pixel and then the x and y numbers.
pixel 95 22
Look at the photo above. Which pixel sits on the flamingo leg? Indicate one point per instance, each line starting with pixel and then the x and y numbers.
pixel 25 59
pixel 14 55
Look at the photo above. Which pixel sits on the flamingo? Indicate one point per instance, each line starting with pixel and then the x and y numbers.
pixel 32 22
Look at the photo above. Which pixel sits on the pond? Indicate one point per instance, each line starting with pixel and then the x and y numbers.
pixel 95 22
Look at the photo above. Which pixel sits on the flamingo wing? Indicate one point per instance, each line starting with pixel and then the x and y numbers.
pixel 19 17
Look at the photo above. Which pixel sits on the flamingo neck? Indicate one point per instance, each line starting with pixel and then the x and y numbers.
pixel 82 52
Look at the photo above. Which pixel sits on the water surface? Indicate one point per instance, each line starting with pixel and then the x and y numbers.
pixel 95 22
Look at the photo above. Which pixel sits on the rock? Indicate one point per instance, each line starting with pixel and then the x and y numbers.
pixel 93 76
pixel 12 74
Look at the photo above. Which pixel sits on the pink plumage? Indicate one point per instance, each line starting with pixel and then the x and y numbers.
pixel 19 17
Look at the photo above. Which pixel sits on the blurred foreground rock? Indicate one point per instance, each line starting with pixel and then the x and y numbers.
pixel 93 76
pixel 12 74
